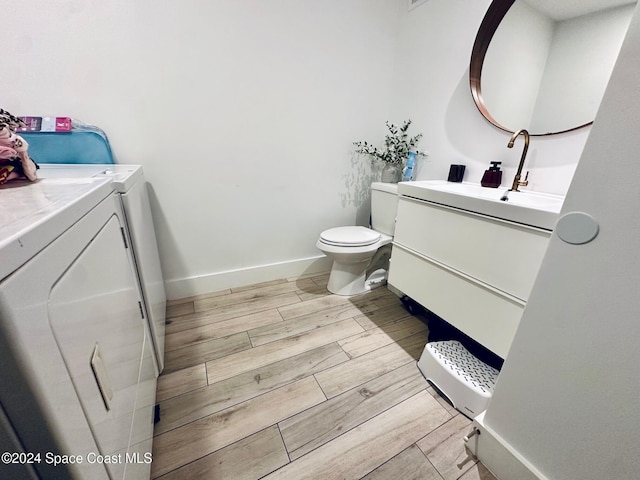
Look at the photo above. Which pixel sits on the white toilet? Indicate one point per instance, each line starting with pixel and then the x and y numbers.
pixel 361 255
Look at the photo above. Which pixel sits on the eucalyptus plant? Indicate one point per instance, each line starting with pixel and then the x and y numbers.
pixel 397 145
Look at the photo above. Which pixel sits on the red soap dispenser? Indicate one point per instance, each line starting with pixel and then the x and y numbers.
pixel 492 177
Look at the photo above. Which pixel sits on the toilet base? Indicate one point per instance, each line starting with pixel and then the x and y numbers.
pixel 351 279
pixel 347 279
pixel 356 269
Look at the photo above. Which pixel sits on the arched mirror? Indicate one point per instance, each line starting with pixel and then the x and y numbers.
pixel 543 65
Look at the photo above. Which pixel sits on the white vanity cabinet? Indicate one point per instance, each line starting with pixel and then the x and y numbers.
pixel 472 270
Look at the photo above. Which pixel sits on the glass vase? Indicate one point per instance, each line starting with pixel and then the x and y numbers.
pixel 391 173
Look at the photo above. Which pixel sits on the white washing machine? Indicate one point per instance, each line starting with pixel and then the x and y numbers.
pixel 78 376
pixel 129 182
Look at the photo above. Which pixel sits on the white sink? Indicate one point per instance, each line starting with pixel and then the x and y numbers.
pixel 530 208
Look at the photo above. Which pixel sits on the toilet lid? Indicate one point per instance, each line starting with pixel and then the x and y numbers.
pixel 350 236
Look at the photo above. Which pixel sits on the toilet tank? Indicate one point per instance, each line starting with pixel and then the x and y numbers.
pixel 384 205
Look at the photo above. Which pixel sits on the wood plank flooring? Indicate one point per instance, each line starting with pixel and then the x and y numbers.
pixel 282 380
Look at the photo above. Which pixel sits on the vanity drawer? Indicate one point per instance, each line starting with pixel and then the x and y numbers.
pixel 503 254
pixel 485 314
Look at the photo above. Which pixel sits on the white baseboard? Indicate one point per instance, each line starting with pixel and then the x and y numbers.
pixel 498 456
pixel 187 287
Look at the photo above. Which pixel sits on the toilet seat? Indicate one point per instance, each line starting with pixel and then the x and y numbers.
pixel 350 236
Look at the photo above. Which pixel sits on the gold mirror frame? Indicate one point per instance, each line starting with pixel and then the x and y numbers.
pixel 495 14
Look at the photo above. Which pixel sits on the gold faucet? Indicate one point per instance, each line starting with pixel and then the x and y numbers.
pixel 516 181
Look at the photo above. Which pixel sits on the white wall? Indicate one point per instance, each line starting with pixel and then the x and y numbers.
pixel 242 114
pixel 567 397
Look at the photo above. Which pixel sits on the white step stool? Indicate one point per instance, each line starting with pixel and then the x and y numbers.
pixel 466 381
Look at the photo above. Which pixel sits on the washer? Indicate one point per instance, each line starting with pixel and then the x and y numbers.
pixel 129 183
pixel 78 374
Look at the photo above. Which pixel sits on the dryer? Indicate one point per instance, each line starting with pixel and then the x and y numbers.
pixel 78 376
pixel 129 183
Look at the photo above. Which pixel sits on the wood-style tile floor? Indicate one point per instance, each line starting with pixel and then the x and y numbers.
pixel 283 380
